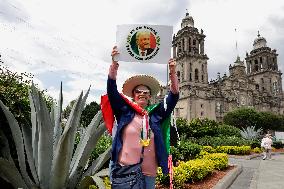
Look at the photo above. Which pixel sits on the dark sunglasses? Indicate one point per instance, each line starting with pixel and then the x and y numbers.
pixel 139 91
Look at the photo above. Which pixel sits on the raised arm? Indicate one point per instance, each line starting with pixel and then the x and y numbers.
pixel 116 101
pixel 173 77
pixel 173 95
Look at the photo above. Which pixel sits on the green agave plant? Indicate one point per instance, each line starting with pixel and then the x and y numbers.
pixel 48 149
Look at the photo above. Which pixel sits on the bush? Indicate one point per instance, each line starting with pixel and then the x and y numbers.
pixel 278 144
pixel 197 127
pixel 194 170
pixel 234 150
pixel 222 141
pixel 227 130
pixel 208 149
pixel 185 151
pixel 220 160
pixel 255 143
pixel 257 150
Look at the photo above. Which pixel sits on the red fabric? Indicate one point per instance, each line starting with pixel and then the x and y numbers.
pixel 108 114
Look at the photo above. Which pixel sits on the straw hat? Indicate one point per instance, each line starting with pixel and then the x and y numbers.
pixel 136 80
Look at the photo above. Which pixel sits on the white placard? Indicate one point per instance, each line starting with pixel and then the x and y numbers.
pixel 144 43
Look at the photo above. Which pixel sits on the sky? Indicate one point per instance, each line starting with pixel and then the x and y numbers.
pixel 71 40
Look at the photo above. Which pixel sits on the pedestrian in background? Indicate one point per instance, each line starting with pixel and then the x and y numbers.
pixel 266 143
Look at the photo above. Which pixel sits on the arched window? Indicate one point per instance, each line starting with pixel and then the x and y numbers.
pixel 202 78
pixel 256 65
pixel 196 74
pixel 190 77
pixel 257 87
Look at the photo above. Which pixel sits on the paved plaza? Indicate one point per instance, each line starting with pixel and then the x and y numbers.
pixel 260 174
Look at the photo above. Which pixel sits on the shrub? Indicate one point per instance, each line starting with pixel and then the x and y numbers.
pixel 208 149
pixel 278 144
pixel 256 150
pixel 255 143
pixel 197 127
pixel 222 141
pixel 234 150
pixel 186 150
pixel 194 170
pixel 228 130
pixel 220 160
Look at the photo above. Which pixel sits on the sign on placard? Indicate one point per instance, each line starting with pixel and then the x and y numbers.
pixel 144 43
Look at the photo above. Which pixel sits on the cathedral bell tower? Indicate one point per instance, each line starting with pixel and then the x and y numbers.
pixel 188 50
pixel 262 67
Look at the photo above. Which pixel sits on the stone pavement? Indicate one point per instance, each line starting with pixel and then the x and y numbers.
pixel 260 174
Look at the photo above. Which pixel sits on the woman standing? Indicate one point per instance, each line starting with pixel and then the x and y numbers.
pixel 138 138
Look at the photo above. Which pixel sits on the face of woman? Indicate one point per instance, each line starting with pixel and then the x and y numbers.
pixel 141 95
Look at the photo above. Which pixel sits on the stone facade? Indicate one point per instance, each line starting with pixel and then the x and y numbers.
pixel 257 84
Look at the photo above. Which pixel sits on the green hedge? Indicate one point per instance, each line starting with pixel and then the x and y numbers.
pixel 194 170
pixel 222 141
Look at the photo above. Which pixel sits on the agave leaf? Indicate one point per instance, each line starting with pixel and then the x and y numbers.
pixel 34 99
pixel 91 138
pixel 99 182
pixel 102 173
pixel 45 134
pixel 91 180
pixel 27 133
pixel 86 182
pixel 57 120
pixel 85 98
pixel 52 112
pixel 10 173
pixel 18 139
pixel 98 163
pixel 5 150
pixel 84 140
pixel 64 149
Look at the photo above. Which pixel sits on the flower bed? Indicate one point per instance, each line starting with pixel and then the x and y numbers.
pixel 195 170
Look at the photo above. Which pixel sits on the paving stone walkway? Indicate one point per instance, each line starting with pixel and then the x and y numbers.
pixel 260 174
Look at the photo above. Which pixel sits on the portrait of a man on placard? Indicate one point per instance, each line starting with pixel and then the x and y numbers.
pixel 143 43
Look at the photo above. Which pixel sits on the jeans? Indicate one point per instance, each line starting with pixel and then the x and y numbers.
pixel 149 182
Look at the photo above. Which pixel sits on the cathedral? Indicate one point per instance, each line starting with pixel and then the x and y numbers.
pixel 255 82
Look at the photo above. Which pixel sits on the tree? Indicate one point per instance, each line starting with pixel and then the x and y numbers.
pixel 242 118
pixel 88 113
pixel 14 88
pixel 247 117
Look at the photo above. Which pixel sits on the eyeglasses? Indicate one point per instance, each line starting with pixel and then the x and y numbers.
pixel 140 91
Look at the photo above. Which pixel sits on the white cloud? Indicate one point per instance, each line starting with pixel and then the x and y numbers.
pixel 71 40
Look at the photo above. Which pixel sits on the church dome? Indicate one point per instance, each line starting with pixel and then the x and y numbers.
pixel 187 21
pixel 259 42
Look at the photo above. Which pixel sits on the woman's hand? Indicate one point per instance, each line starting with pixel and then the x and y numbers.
pixel 114 66
pixel 114 55
pixel 173 77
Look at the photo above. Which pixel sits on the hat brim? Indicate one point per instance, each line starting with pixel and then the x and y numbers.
pixel 136 80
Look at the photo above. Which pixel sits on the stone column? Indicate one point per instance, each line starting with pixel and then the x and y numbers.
pixel 202 46
pixel 186 44
pixel 174 51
